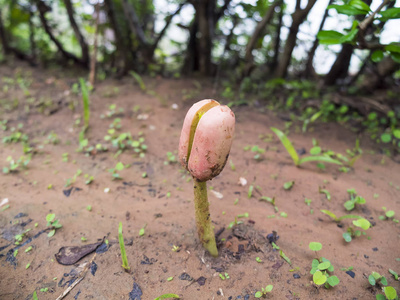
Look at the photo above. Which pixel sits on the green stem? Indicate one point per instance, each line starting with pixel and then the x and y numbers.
pixel 203 220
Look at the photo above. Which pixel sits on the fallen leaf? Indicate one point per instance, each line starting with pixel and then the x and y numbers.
pixel 72 254
pixel 217 194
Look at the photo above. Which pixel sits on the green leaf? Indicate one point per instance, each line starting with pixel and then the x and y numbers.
pixel 349 205
pixel 363 223
pixel 384 280
pixel 315 150
pixel 394 47
pixel 359 4
pixel 283 255
pixel 34 296
pixel 371 280
pixel 124 258
pixel 333 280
pixel 377 56
pixel 50 217
pixel 324 265
pixel 331 214
pixel 319 278
pixel 288 185
pixel 258 294
pixel 329 37
pixel 396 133
pixel 51 233
pixel 315 246
pixel 269 288
pixel 395 56
pixel 391 13
pixel 390 292
pixel 347 237
pixel 390 214
pixel 349 37
pixel 349 217
pixel 380 297
pixel 323 158
pixel 119 166
pixel 166 296
pixel 287 144
pixel 396 276
pixel 349 10
pixel 386 137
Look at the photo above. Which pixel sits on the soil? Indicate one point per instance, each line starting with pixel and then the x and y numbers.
pixel 162 200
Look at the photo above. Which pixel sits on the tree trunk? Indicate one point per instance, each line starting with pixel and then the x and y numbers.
pixel 123 62
pixel 32 35
pixel 92 75
pixel 205 9
pixel 43 9
pixel 309 70
pixel 3 36
pixel 277 42
pixel 384 68
pixel 256 36
pixel 298 18
pixel 78 34
pixel 341 65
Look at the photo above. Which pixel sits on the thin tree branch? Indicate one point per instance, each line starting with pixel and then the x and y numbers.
pixel 134 23
pixel 364 24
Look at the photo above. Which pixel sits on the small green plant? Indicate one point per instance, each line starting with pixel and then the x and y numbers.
pixel 15 137
pixel 269 200
pixel 288 185
pixel 352 232
pixel 14 166
pixel 166 296
pixel 85 100
pixel 171 159
pixel 257 150
pixel 390 293
pixel 389 214
pixel 295 157
pixel 395 275
pixel 118 167
pixel 338 219
pixel 125 264
pixel 376 279
pixel 19 237
pixel 264 291
pixel 52 224
pixel 354 199
pixel 139 80
pixel 321 269
pixel 175 248
pixel 142 230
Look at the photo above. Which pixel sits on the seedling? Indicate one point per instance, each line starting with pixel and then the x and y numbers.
pixel 53 224
pixel 204 147
pixel 338 219
pixel 19 237
pixel 175 248
pixel 257 150
pixel 354 199
pixel 352 232
pixel 377 279
pixel 15 165
pixel 171 159
pixel 270 200
pixel 125 264
pixel 166 296
pixel 85 100
pixel 118 167
pixel 395 275
pixel 321 269
pixel 326 192
pixel 388 215
pixel 250 191
pixel 389 294
pixel 141 231
pixel 295 157
pixel 288 185
pixel 264 291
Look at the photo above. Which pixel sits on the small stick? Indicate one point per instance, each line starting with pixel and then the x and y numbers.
pixel 79 279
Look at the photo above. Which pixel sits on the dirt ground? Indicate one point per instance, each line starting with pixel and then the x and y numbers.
pixel 159 196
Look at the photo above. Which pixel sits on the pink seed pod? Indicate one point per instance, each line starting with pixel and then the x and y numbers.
pixel 206 139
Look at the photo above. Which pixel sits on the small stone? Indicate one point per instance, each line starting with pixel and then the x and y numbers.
pixel 185 276
pixel 296 276
pixel 351 274
pixel 375 249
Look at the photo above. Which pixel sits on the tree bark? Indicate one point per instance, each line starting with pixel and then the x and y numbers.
pixel 309 70
pixel 298 18
pixel 81 39
pixel 43 9
pixel 3 36
pixel 92 75
pixel 384 68
pixel 277 42
pixel 256 35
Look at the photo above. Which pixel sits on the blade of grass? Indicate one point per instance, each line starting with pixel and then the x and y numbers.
pixel 125 264
pixel 322 158
pixel 85 98
pixel 349 217
pixel 139 80
pixel 165 296
pixel 331 214
pixel 287 144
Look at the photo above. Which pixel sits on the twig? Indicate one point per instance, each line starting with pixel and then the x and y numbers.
pixel 79 279
pixel 364 24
